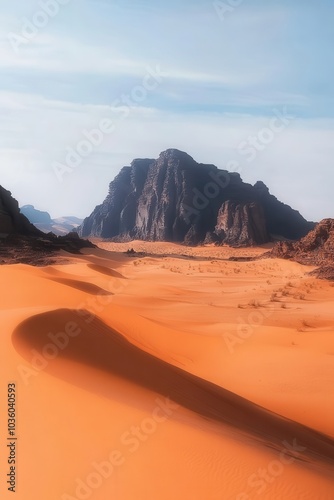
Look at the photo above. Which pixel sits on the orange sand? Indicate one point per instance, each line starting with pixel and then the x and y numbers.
pixel 168 376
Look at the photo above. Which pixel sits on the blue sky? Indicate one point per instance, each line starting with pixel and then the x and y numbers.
pixel 227 70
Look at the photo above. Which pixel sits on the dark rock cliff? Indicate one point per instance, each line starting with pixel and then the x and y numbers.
pixel 22 242
pixel 177 199
pixel 242 224
pixel 11 220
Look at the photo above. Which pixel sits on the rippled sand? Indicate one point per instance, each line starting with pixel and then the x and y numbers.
pixel 172 375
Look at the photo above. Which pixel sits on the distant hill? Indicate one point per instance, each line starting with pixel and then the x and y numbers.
pixel 174 198
pixel 44 222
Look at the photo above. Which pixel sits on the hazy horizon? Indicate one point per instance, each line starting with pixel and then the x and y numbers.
pixel 204 77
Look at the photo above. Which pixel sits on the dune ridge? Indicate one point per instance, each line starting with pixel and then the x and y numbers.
pixel 101 347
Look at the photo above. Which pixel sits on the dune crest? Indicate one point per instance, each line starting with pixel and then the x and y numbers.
pixel 98 346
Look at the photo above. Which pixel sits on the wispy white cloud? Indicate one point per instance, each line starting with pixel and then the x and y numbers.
pixel 224 79
pixel 209 138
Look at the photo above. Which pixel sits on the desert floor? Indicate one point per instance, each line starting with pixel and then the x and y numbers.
pixel 174 374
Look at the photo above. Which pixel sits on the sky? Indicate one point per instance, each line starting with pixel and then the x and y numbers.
pixel 88 85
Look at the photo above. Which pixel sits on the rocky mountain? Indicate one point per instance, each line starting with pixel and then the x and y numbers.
pixel 176 199
pixel 316 248
pixel 36 216
pixel 22 242
pixel 43 221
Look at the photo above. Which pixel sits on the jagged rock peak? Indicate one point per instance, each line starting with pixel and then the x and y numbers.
pixel 261 187
pixel 175 154
pixel 174 198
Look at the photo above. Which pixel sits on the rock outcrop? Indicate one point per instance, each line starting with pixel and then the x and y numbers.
pixel 22 242
pixel 177 199
pixel 315 249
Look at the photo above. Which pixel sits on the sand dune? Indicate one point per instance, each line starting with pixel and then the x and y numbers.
pixel 144 366
pixel 106 270
pixel 101 347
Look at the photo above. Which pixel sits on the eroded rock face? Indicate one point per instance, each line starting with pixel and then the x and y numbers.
pixel 11 220
pixel 177 199
pixel 242 224
pixel 316 248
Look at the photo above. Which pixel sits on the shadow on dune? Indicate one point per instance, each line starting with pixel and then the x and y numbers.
pixel 99 346
pixel 106 270
pixel 82 286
